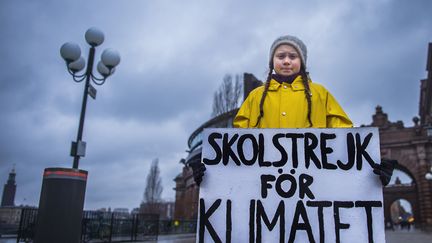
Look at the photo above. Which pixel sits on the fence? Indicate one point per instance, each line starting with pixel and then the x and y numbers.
pixel 112 227
pixel 27 224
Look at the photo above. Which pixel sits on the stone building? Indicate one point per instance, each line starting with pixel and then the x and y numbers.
pixel 410 146
pixel 186 202
pixel 163 209
pixel 10 215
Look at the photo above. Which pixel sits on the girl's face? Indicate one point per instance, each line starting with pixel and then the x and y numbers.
pixel 286 60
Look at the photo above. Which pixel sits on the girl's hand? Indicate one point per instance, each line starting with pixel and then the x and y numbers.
pixel 385 170
pixel 198 169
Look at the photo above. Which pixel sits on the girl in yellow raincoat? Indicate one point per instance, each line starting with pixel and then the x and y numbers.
pixel 289 99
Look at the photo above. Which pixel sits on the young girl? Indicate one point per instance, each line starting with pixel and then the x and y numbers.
pixel 288 98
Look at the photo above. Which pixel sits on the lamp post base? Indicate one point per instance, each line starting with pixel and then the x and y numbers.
pixel 61 206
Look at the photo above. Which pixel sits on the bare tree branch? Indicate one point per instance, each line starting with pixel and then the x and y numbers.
pixel 153 190
pixel 227 97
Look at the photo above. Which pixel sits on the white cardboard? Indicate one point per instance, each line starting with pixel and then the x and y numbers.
pixel 241 184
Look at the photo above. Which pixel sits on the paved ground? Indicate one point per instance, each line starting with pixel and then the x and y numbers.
pixel 187 238
pixel 400 236
pixel 175 239
pixel 391 236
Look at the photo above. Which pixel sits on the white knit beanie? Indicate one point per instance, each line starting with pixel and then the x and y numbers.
pixel 292 41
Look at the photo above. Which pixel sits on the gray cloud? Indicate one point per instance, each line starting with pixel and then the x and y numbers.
pixel 174 55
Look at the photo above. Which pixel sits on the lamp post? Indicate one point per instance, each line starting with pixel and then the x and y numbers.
pixel 63 189
pixel 71 53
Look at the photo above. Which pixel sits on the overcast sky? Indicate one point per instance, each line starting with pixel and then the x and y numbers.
pixel 174 56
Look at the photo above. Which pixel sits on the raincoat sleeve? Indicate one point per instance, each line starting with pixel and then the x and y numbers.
pixel 336 116
pixel 242 119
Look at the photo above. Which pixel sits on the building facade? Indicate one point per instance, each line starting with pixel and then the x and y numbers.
pixel 186 202
pixel 165 210
pixel 411 146
pixel 10 215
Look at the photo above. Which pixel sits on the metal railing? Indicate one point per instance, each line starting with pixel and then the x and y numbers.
pixel 111 227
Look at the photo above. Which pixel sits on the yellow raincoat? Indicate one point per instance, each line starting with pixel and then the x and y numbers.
pixel 286 106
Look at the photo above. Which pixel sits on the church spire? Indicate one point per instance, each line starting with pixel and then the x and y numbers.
pixel 8 198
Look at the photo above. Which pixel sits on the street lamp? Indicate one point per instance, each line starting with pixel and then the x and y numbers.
pixel 63 189
pixel 428 175
pixel 71 53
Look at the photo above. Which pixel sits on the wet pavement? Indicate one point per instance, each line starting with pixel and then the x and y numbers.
pixel 398 236
pixel 404 236
pixel 184 238
pixel 187 238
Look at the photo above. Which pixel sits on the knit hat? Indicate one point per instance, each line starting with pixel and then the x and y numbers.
pixel 292 41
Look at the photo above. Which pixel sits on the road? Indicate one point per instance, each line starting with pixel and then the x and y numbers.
pixel 398 236
pixel 403 236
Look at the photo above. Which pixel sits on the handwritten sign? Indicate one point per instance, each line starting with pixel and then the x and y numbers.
pixel 290 185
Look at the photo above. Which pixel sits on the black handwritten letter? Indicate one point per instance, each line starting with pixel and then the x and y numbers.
pixel 252 221
pixel 300 211
pixel 280 214
pixel 240 143
pixel 261 146
pixel 338 224
pixel 292 185
pixel 350 152
pixel 294 153
pixel 205 223
pixel 361 150
pixel 305 181
pixel 368 208
pixel 211 139
pixel 309 150
pixel 326 150
pixel 284 155
pixel 227 151
pixel 320 205
pixel 265 184
pixel 228 222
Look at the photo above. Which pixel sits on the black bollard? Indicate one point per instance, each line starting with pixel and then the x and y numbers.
pixel 61 206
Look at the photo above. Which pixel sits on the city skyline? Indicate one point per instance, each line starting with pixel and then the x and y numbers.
pixel 173 57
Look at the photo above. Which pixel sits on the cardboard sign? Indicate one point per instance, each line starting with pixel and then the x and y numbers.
pixel 291 185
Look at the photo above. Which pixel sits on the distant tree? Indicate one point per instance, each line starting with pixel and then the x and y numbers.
pixel 153 190
pixel 227 97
